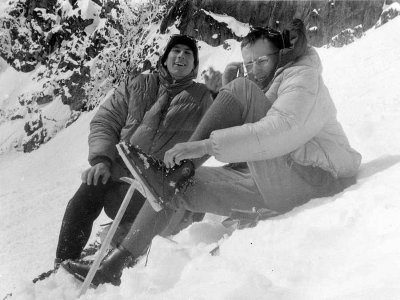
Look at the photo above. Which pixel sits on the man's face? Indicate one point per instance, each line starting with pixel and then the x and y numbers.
pixel 260 60
pixel 180 61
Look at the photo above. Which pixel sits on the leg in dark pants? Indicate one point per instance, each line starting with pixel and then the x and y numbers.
pixel 84 208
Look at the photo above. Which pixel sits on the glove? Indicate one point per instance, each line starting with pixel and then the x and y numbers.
pixel 212 79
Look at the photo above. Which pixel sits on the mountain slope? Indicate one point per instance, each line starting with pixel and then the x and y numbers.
pixel 341 247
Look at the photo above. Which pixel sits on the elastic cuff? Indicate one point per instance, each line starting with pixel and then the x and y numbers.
pixel 99 159
pixel 208 147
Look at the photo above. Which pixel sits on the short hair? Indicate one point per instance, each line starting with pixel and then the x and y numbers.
pixel 257 33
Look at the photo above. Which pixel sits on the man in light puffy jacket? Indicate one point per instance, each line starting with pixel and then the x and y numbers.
pixel 152 111
pixel 282 122
pixel 286 130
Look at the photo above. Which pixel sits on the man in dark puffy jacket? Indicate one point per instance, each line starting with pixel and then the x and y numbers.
pixel 152 111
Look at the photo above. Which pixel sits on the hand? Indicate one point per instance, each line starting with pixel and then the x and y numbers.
pixel 213 79
pixel 232 71
pixel 93 174
pixel 188 150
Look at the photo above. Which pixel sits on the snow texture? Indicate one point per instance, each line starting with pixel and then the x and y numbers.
pixel 340 247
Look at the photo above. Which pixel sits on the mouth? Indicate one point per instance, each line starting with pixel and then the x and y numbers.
pixel 180 64
pixel 260 77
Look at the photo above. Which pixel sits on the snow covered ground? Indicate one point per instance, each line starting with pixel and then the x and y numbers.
pixel 341 247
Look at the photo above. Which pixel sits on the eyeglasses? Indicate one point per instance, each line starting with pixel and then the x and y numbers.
pixel 261 61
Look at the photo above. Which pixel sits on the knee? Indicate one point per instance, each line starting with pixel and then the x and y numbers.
pixel 87 196
pixel 236 85
pixel 240 81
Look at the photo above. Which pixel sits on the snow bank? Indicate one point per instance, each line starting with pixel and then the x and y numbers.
pixel 341 247
pixel 13 83
pixel 362 80
pixel 3 5
pixel 218 57
pixel 90 10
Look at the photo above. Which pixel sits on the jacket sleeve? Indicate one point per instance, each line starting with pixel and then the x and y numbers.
pixel 106 125
pixel 294 118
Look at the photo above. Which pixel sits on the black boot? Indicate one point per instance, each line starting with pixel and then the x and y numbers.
pixel 162 181
pixel 57 263
pixel 110 269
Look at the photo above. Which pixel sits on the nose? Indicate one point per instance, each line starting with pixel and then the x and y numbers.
pixel 249 69
pixel 181 54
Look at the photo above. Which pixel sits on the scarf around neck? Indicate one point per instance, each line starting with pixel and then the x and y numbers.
pixel 173 86
pixel 145 135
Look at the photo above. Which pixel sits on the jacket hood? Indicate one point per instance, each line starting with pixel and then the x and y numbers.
pixel 309 59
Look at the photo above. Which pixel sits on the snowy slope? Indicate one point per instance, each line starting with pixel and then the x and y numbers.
pixel 341 247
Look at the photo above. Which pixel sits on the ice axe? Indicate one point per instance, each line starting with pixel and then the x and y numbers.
pixel 134 185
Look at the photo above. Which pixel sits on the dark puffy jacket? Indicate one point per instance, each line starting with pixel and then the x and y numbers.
pixel 133 112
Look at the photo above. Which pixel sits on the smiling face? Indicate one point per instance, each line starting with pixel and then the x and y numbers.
pixel 260 59
pixel 180 61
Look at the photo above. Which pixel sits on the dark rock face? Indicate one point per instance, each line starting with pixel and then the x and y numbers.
pixel 37 28
pixel 31 127
pixel 195 22
pixel 74 86
pixel 34 141
pixel 32 5
pixel 323 19
pixel 387 15
pixel 36 134
pixel 44 34
pixel 347 36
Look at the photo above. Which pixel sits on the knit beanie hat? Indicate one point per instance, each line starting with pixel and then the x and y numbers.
pixel 183 40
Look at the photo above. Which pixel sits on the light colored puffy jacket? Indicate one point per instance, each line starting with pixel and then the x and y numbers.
pixel 301 122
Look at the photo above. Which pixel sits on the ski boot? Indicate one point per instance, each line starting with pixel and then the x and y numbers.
pixel 110 270
pixel 162 182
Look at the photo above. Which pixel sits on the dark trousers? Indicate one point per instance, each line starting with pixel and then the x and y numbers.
pixel 85 206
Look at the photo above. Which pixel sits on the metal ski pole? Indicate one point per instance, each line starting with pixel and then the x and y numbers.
pixel 110 234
